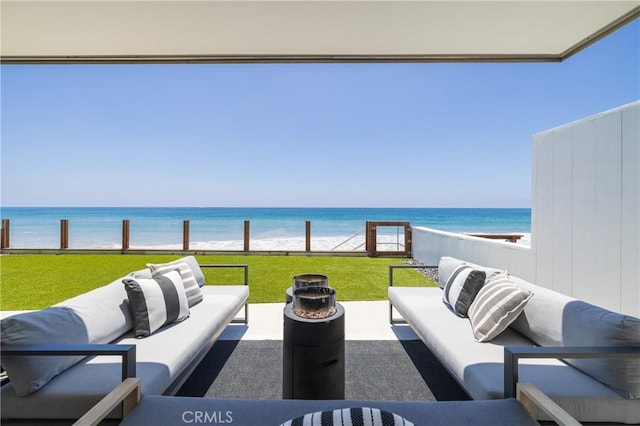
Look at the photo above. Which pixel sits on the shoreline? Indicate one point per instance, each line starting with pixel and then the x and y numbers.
pixel 320 243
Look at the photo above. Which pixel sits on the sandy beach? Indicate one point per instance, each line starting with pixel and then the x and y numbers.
pixel 337 243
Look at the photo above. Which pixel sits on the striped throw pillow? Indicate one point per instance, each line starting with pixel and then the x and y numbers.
pixel 462 287
pixel 350 416
pixel 156 302
pixel 496 306
pixel 191 287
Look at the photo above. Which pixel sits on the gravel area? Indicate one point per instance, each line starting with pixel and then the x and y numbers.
pixel 430 272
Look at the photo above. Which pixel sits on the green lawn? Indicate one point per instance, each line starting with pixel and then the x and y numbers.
pixel 38 280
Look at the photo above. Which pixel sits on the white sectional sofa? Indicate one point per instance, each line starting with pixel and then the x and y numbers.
pixel 100 323
pixel 605 388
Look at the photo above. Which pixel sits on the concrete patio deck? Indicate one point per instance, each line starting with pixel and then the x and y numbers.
pixel 363 321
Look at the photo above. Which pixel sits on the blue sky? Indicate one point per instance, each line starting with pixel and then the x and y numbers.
pixel 343 135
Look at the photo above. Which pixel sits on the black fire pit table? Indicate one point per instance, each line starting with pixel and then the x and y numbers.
pixel 313 346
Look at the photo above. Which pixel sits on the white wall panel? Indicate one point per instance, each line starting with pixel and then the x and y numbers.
pixel 630 247
pixel 608 226
pixel 584 219
pixel 542 207
pixel 562 191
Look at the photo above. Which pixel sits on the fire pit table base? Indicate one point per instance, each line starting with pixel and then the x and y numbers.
pixel 313 356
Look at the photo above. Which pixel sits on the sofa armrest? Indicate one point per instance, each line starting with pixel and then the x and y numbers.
pixel 392 320
pixel 127 352
pixel 221 265
pixel 126 393
pixel 531 398
pixel 512 354
pixel 244 320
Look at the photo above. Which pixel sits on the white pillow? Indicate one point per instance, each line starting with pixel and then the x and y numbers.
pixel 496 306
pixel 156 302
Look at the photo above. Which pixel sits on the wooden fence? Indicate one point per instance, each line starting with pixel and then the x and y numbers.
pixel 371 241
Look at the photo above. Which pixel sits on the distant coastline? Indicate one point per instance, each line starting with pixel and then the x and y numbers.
pixel 221 228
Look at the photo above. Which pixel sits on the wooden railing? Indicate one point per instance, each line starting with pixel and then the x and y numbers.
pixel 371 240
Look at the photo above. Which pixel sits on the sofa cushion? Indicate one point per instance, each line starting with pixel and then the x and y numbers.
pixel 462 287
pixel 553 319
pixel 496 306
pixel 156 302
pixel 191 287
pixel 350 416
pixel 479 367
pixel 49 326
pixel 104 312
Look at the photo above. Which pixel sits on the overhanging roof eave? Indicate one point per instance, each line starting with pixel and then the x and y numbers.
pixel 230 59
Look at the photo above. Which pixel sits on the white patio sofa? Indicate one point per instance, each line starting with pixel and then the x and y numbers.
pixel 551 327
pixel 99 323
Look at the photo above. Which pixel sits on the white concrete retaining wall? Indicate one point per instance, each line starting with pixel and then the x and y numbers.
pixel 428 245
pixel 585 210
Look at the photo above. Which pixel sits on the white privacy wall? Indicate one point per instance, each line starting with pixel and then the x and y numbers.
pixel 585 222
pixel 428 245
pixel 586 209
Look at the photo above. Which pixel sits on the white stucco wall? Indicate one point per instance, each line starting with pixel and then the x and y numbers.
pixel 585 210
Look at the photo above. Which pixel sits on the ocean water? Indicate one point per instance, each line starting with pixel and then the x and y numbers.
pixel 222 228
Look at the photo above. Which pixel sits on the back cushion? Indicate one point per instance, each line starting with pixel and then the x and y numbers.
pixel 98 316
pixel 104 311
pixel 553 319
pixel 49 326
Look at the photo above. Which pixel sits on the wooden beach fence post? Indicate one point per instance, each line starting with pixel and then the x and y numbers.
pixel 125 234
pixel 246 235
pixel 4 239
pixel 64 234
pixel 307 235
pixel 185 235
pixel 372 243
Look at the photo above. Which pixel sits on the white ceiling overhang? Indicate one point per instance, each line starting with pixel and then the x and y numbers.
pixel 304 31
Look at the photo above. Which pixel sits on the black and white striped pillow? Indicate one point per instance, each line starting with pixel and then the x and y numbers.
pixel 156 302
pixel 496 306
pixel 364 416
pixel 462 287
pixel 191 287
